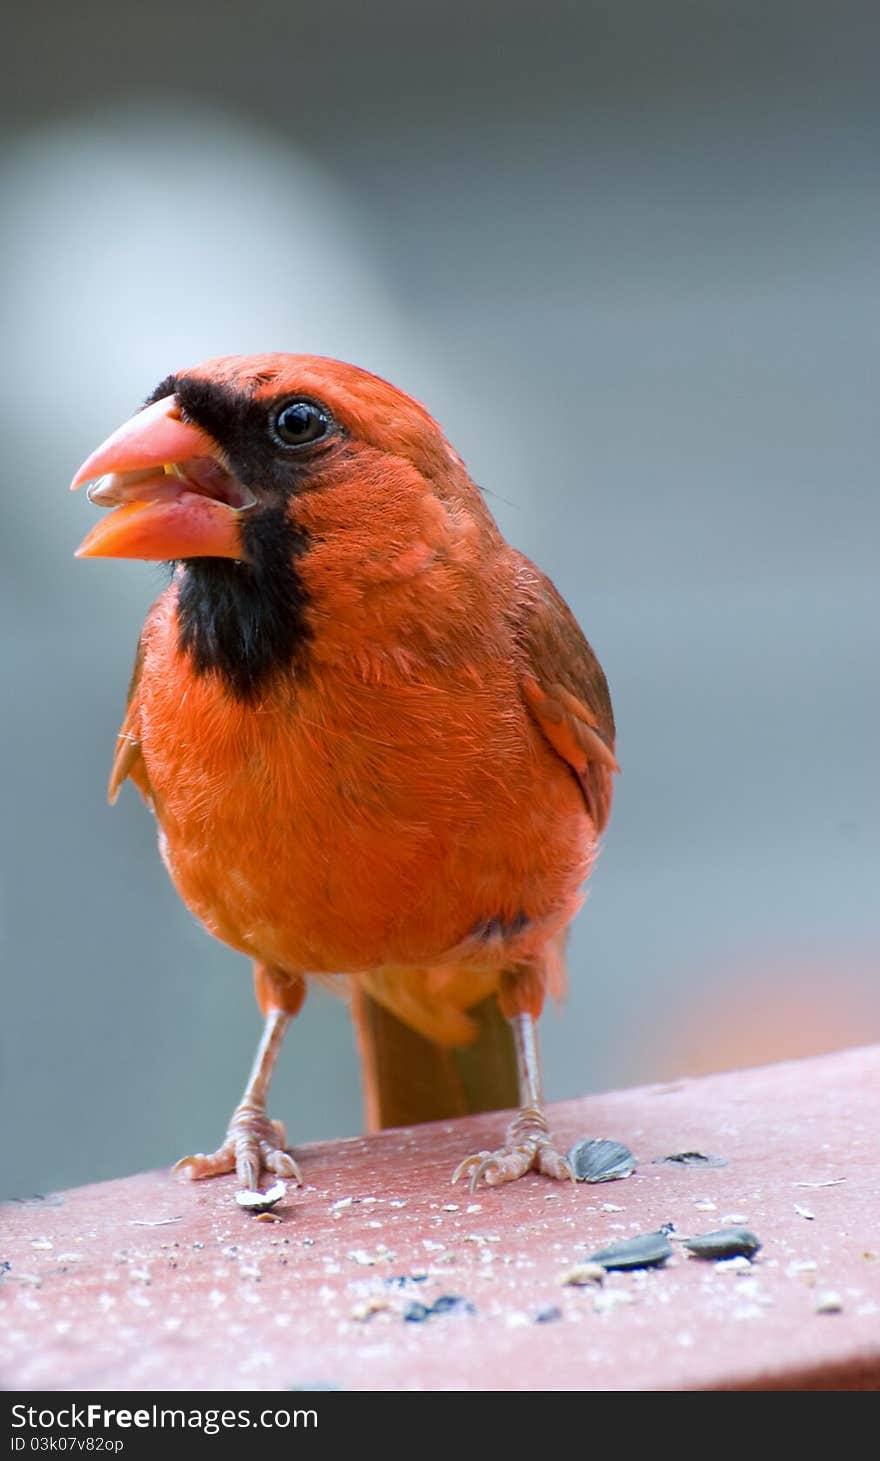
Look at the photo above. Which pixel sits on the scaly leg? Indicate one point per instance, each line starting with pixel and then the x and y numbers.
pixel 527 1142
pixel 254 1143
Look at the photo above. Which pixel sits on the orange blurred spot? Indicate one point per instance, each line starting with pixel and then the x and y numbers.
pixel 784 1012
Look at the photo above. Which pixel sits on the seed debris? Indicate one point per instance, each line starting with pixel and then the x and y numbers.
pixel 724 1243
pixel 582 1274
pixel 648 1250
pixel 445 1304
pixel 598 1160
pixel 828 1302
pixel 376 1304
pixel 257 1202
pixel 691 1159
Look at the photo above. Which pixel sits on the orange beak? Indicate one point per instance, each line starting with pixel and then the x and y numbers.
pixel 173 497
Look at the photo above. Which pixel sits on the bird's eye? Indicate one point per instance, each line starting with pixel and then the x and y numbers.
pixel 300 422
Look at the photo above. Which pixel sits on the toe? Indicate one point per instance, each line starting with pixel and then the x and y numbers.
pixel 283 1165
pixel 278 1136
pixel 553 1164
pixel 495 1168
pixel 201 1165
pixel 508 1165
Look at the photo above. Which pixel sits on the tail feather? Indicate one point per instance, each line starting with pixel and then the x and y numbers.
pixel 409 1079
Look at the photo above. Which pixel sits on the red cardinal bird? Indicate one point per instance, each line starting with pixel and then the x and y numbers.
pixel 374 738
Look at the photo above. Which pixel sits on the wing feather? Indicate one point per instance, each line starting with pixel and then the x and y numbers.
pixel 565 689
pixel 127 760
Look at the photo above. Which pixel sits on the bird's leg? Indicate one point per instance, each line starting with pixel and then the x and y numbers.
pixel 527 1141
pixel 254 1143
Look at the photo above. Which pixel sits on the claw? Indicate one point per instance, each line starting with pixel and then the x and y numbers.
pixel 480 1163
pixel 248 1173
pixel 476 1160
pixel 486 1166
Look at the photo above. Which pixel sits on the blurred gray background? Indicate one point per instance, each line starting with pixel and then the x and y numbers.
pixel 628 254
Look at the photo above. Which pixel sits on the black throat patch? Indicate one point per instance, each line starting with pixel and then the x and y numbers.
pixel 247 621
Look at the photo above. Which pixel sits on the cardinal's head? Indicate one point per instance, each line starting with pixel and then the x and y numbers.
pixel 239 470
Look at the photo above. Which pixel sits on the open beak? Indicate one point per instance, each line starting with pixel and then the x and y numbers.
pixel 171 493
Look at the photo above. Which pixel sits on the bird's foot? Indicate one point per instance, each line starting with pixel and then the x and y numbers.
pixel 528 1145
pixel 253 1145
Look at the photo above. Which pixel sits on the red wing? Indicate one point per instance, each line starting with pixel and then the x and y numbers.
pixel 566 691
pixel 128 760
